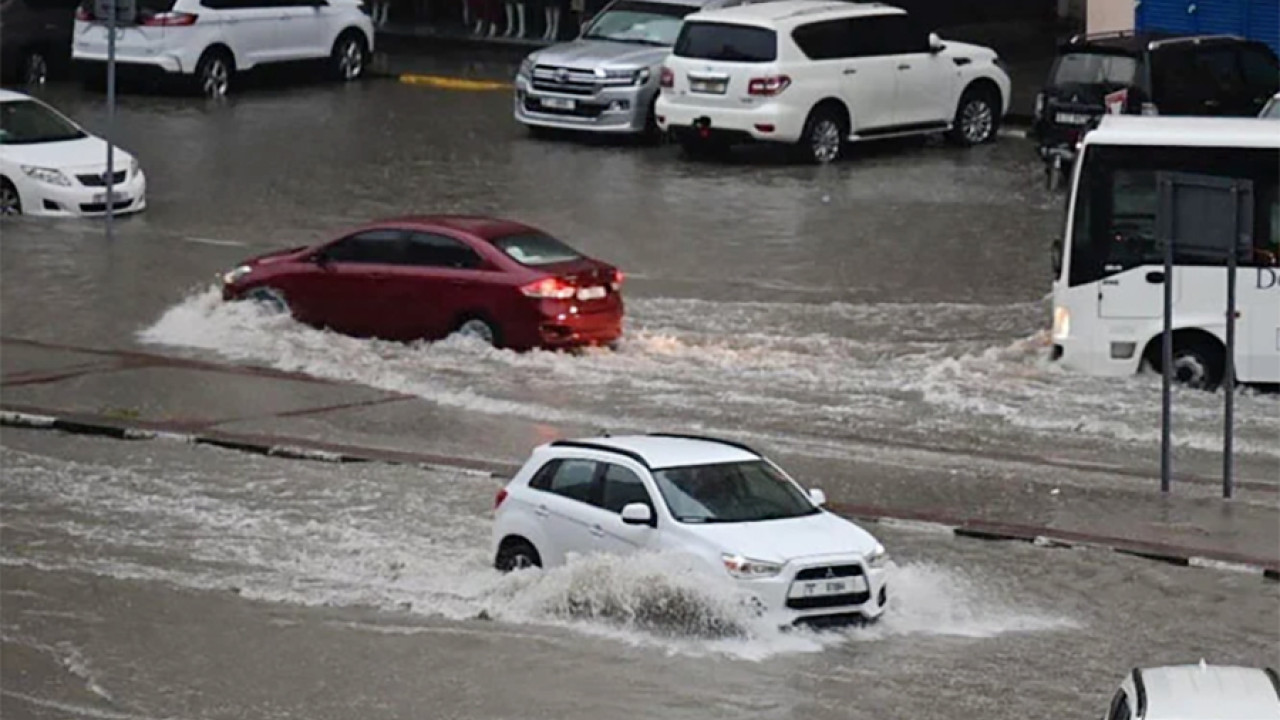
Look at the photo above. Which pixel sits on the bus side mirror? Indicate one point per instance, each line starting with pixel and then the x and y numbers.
pixel 1057 257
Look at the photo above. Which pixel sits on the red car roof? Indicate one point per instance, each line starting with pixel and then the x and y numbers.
pixel 479 225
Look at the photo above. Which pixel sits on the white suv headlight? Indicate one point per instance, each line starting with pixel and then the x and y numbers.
pixel 746 568
pixel 526 67
pixel 46 175
pixel 611 76
pixel 877 558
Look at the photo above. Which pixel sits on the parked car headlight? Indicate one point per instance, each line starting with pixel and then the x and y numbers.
pixel 742 567
pixel 134 167
pixel 46 175
pixel 234 276
pixel 877 558
pixel 629 76
pixel 526 67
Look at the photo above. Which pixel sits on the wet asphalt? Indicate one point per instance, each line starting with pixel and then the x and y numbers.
pixel 900 293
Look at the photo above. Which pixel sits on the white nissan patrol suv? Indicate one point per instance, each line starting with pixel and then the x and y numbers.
pixel 817 74
pixel 717 501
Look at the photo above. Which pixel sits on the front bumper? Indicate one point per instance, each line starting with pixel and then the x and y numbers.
pixel 768 122
pixel 47 200
pixel 621 109
pixel 785 596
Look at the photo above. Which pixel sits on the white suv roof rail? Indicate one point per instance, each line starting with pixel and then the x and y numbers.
pixel 1192 39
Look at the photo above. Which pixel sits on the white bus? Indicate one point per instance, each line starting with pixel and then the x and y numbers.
pixel 1198 180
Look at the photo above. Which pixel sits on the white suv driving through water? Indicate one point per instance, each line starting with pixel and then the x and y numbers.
pixel 817 74
pixel 209 41
pixel 717 501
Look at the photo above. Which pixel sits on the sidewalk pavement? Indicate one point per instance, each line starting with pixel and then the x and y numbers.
pixel 1027 51
pixel 135 395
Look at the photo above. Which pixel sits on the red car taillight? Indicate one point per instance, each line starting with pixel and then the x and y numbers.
pixel 667 78
pixel 768 86
pixel 551 288
pixel 616 283
pixel 170 19
pixel 497 501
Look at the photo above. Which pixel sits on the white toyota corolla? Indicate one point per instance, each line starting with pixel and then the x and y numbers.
pixel 718 501
pixel 49 165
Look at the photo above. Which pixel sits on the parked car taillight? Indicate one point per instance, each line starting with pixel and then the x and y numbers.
pixel 616 283
pixel 667 78
pixel 170 19
pixel 551 288
pixel 497 501
pixel 768 86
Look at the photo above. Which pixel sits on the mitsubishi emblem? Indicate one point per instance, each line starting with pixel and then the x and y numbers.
pixel 831 573
pixel 562 75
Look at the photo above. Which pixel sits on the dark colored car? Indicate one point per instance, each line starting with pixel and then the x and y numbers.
pixel 35 39
pixel 417 278
pixel 1152 74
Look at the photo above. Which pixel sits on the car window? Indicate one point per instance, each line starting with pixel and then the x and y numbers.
pixel 895 34
pixel 727 42
pixel 621 488
pixel 430 250
pixel 1260 69
pixel 573 479
pixel 383 247
pixel 1220 67
pixel 27 122
pixel 535 249
pixel 824 40
pixel 750 491
pixel 644 23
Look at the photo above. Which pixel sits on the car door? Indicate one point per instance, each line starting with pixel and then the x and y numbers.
pixel 1180 84
pixel 869 77
pixel 568 489
pixel 248 27
pixel 619 487
pixel 344 288
pixel 924 92
pixel 302 29
pixel 443 280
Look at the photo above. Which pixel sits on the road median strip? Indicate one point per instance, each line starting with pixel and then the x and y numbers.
pixel 926 521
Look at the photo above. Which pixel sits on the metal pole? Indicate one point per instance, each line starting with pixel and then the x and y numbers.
pixel 1166 360
pixel 1229 367
pixel 111 113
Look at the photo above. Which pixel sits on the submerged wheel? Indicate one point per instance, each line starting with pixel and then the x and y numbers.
pixel 977 117
pixel 213 74
pixel 10 201
pixel 479 329
pixel 516 555
pixel 822 140
pixel 269 298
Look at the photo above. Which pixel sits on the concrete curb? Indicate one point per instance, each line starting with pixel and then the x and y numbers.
pixel 920 521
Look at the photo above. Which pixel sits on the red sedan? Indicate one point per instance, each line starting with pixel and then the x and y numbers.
pixel 428 277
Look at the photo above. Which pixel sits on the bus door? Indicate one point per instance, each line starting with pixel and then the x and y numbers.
pixel 1132 284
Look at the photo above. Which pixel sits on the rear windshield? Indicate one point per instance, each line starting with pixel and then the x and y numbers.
pixel 1095 69
pixel 722 41
pixel 536 249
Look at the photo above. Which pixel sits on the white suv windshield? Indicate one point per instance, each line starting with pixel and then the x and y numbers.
pixel 731 492
pixel 727 42
pixel 26 122
pixel 639 22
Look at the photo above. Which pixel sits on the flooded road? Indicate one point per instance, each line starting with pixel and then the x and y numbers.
pixel 900 296
pixel 159 579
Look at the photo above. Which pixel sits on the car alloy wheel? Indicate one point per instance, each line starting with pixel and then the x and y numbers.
pixel 215 77
pixel 977 120
pixel 36 69
pixel 10 203
pixel 479 329
pixel 350 59
pixel 826 140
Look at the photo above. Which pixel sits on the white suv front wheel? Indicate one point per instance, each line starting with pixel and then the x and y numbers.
pixel 823 137
pixel 349 54
pixel 977 117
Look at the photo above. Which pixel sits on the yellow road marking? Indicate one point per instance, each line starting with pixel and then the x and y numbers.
pixel 453 83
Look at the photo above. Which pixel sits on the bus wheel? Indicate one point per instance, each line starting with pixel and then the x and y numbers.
pixel 1198 363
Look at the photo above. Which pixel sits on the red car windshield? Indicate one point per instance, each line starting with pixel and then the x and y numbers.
pixel 534 249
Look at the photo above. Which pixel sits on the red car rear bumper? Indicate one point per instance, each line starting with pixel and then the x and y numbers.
pixel 578 330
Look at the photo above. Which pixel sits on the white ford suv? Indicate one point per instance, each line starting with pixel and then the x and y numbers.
pixel 818 74
pixel 208 41
pixel 717 501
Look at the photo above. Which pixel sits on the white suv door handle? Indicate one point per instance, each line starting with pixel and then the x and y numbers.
pixel 542 511
pixel 597 531
pixel 904 66
pixel 851 71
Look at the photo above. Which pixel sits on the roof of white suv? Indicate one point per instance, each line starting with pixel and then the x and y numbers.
pixel 659 451
pixel 783 12
pixel 1209 692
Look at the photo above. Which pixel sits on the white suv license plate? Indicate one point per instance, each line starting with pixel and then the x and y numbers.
pixel 709 87
pixel 1071 118
pixel 591 293
pixel 558 103
pixel 824 587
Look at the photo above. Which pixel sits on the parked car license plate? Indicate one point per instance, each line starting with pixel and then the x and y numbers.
pixel 1071 118
pixel 591 293
pixel 711 87
pixel 100 198
pixel 821 588
pixel 559 103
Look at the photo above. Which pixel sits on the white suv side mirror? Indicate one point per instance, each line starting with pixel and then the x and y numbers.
pixel 637 514
pixel 818 497
pixel 935 43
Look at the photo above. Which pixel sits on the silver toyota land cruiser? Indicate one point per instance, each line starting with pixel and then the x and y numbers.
pixel 607 79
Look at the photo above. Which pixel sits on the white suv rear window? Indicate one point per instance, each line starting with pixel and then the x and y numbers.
pixel 727 42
